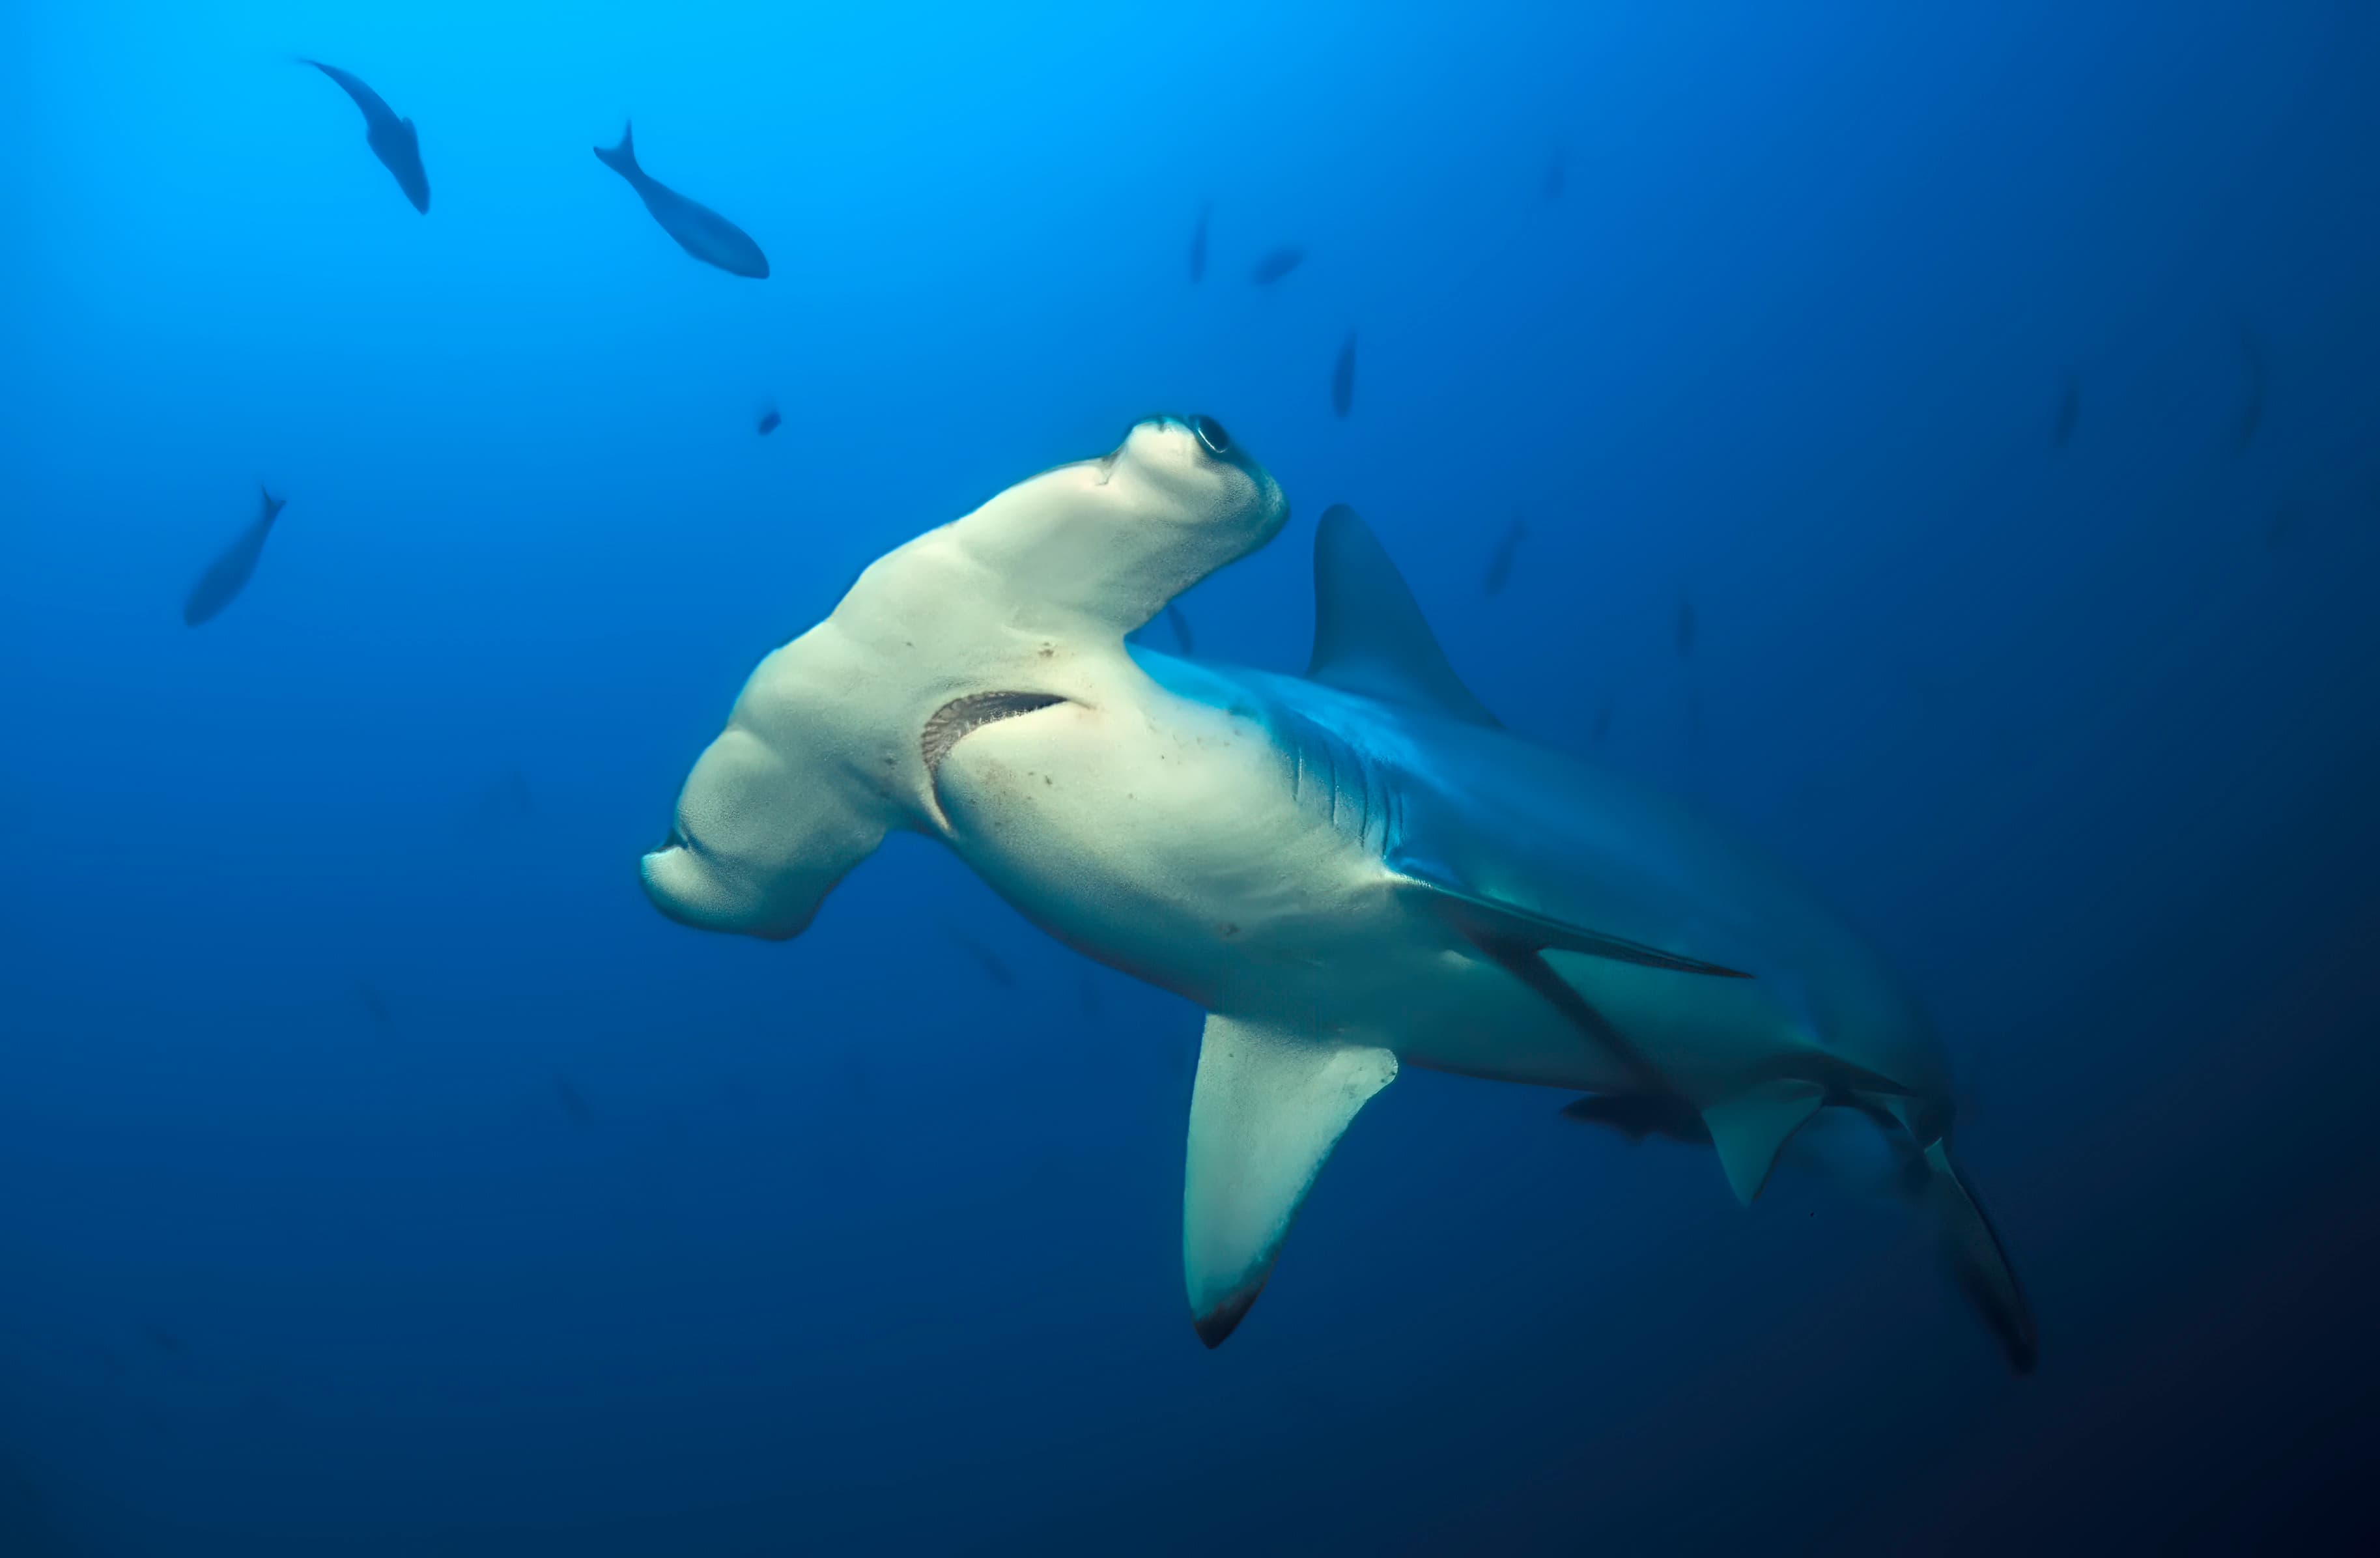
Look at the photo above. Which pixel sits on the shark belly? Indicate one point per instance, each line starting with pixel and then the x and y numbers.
pixel 1205 851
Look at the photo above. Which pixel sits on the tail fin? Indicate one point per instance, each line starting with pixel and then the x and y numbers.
pixel 622 158
pixel 1980 1261
pixel 273 505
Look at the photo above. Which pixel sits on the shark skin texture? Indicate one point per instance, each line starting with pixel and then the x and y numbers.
pixel 1350 870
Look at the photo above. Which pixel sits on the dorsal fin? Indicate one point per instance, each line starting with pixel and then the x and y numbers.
pixel 1369 635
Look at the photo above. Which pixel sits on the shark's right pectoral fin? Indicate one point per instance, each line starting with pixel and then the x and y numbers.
pixel 1268 1105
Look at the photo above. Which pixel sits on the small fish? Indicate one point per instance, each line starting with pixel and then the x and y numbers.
pixel 1685 629
pixel 1198 245
pixel 573 1103
pixel 1342 377
pixel 770 421
pixel 1557 173
pixel 699 230
pixel 1179 620
pixel 1499 566
pixel 2252 414
pixel 393 139
pixel 2069 406
pixel 228 574
pixel 2286 521
pixel 1277 264
pixel 993 968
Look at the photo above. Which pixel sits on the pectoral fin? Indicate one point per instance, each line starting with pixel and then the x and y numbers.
pixel 1751 1128
pixel 1267 1106
pixel 1483 918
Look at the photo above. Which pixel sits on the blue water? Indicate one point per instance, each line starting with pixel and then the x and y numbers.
pixel 380 1174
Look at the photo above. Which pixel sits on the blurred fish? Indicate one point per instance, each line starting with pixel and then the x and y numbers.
pixel 375 1005
pixel 770 421
pixel 1557 173
pixel 2070 405
pixel 1179 620
pixel 1198 245
pixel 1685 629
pixel 393 139
pixel 993 968
pixel 228 574
pixel 1602 721
pixel 2252 414
pixel 2289 517
pixel 1277 264
pixel 1342 377
pixel 1500 566
pixel 574 1104
pixel 699 230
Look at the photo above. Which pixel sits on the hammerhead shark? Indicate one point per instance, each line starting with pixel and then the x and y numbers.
pixel 1350 870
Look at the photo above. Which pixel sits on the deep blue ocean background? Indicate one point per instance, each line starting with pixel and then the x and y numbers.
pixel 380 1175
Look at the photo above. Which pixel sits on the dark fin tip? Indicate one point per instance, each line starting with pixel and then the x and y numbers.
pixel 1225 1317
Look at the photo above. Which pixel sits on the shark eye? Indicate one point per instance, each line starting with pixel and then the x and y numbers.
pixel 1210 432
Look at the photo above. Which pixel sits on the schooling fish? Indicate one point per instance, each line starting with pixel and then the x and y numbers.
pixel 393 139
pixel 1499 566
pixel 699 230
pixel 1277 264
pixel 1342 377
pixel 2069 406
pixel 2252 414
pixel 227 575
pixel 770 421
pixel 1198 245
pixel 1179 620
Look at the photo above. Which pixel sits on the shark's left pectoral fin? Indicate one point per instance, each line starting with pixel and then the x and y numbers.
pixel 1268 1105
pixel 1751 1128
pixel 1487 922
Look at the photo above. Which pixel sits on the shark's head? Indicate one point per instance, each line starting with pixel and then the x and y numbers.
pixel 827 748
pixel 1116 537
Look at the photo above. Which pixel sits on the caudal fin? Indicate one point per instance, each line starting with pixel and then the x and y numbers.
pixel 1980 1261
pixel 622 158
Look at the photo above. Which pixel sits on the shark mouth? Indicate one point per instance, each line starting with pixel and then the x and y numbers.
pixel 955 720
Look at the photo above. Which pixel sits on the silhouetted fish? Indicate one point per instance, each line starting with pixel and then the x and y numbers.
pixel 572 1103
pixel 2286 521
pixel 2070 405
pixel 770 421
pixel 1179 620
pixel 2252 414
pixel 393 139
pixel 228 574
pixel 993 968
pixel 1277 264
pixel 699 230
pixel 1499 566
pixel 1685 627
pixel 1342 377
pixel 1198 245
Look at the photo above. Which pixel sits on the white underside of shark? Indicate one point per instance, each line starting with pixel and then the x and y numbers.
pixel 1350 870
